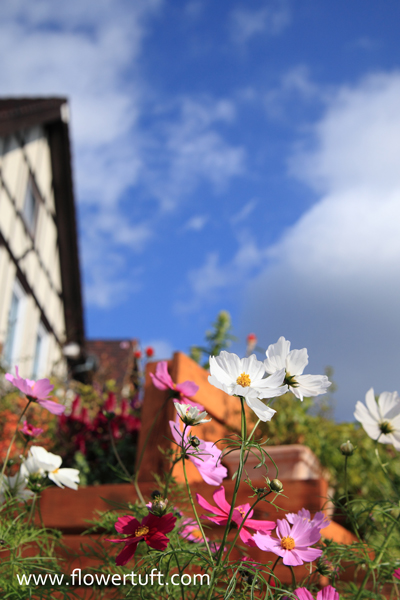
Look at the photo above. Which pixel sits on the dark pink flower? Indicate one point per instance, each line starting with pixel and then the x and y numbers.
pixel 397 574
pixel 151 530
pixel 293 543
pixel 328 593
pixel 206 457
pixel 30 430
pixel 38 391
pixel 221 512
pixel 180 391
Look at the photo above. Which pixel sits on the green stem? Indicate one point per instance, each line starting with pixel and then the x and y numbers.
pixel 349 508
pixel 169 477
pixel 273 568
pixel 253 430
pixel 12 441
pixel 377 558
pixel 235 491
pixel 116 453
pixel 195 511
pixel 293 576
pixel 243 523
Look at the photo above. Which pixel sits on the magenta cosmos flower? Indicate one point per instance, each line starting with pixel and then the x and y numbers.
pixel 206 457
pixel 180 391
pixel 328 593
pixel 36 391
pixel 221 512
pixel 397 574
pixel 293 543
pixel 151 530
pixel 30 430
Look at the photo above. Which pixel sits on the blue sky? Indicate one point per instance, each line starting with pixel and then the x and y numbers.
pixel 231 155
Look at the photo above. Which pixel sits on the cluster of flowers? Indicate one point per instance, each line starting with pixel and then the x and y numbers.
pixel 80 431
pixel 39 463
pixel 254 381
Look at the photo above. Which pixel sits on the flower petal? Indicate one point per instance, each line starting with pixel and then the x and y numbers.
pixel 53 407
pixel 296 361
pixel 303 594
pixel 126 554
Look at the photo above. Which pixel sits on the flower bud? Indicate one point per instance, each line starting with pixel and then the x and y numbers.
pixel 326 568
pixel 155 494
pixel 276 485
pixel 159 506
pixel 347 449
pixel 195 442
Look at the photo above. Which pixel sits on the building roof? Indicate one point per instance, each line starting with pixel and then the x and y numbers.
pixel 17 114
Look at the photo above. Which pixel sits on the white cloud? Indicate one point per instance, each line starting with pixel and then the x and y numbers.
pixel 296 83
pixel 244 212
pixel 331 283
pixel 206 283
pixel 196 223
pixel 245 23
pixel 195 151
pixel 93 57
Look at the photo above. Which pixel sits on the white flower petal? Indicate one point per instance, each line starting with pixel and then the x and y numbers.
pixel 363 415
pixel 312 385
pixel 65 478
pixel 389 405
pixel 296 361
pixel 264 413
pixel 276 355
pixel 372 405
pixel 217 370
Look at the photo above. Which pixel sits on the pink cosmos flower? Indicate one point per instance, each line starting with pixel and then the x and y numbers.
pixel 190 531
pixel 30 430
pixel 151 530
pixel 221 512
pixel 180 391
pixel 328 593
pixel 293 543
pixel 319 520
pixel 397 574
pixel 38 391
pixel 206 457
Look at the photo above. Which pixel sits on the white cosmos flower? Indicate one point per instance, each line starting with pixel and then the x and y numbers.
pixel 246 377
pixel 279 356
pixel 381 420
pixel 15 486
pixel 190 414
pixel 41 462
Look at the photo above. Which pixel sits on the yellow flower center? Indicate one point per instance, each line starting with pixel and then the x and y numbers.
pixel 244 380
pixel 241 512
pixel 197 534
pixel 288 543
pixel 55 471
pixel 143 530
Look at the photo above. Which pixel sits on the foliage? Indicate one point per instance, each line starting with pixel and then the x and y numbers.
pixel 295 423
pixel 217 339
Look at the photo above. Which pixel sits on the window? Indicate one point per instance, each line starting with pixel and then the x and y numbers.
pixel 15 325
pixel 40 356
pixel 31 206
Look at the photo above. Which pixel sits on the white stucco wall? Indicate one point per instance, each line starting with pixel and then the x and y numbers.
pixel 41 265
